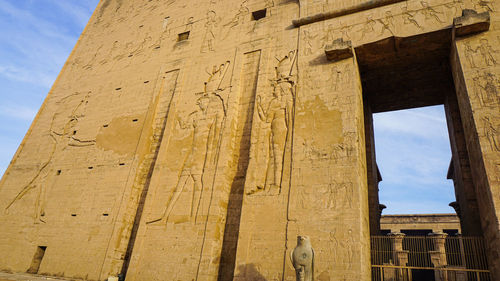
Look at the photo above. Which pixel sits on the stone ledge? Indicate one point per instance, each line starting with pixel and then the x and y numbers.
pixel 471 22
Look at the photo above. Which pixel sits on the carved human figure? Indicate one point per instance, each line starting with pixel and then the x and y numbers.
pixel 409 17
pixel 469 54
pixel 278 114
pixel 387 23
pixel 486 52
pixel 345 30
pixel 308 39
pixel 429 12
pixel 485 5
pixel 238 18
pixel 485 88
pixel 369 27
pixel 205 124
pixel 61 139
pixel 492 133
pixel 336 78
pixel 303 259
pixel 349 244
pixel 285 66
pixel 490 95
pixel 209 39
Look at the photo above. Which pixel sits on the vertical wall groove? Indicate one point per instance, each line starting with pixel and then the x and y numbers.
pixel 161 107
pixel 249 77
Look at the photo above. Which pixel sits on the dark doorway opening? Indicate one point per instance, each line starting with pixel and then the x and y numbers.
pixel 401 73
pixel 405 73
pixel 37 260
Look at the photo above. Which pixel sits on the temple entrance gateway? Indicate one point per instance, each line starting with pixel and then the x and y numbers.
pixel 404 73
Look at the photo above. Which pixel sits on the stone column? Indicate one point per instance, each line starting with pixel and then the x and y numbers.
pixel 400 256
pixel 438 255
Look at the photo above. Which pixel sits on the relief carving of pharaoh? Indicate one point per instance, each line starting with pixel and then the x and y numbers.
pixel 276 116
pixel 205 122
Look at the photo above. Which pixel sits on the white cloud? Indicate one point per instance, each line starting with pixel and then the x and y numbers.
pixel 413 154
pixel 18 112
pixel 39 78
pixel 36 38
pixel 79 11
pixel 422 122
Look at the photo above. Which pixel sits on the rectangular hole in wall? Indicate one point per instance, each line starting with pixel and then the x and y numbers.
pixel 59 172
pixel 183 36
pixel 260 14
pixel 37 260
pixel 73 215
pixel 105 215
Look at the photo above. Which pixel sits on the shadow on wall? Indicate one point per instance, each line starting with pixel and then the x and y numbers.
pixel 250 273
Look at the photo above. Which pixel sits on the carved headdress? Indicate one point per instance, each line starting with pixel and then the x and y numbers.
pixel 285 66
pixel 216 77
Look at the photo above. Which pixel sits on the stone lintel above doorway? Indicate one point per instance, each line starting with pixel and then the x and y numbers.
pixel 469 23
pixel 366 5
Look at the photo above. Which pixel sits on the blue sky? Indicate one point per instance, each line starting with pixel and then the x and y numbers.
pixel 37 36
pixel 413 154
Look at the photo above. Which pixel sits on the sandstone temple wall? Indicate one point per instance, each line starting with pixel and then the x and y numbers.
pixel 194 140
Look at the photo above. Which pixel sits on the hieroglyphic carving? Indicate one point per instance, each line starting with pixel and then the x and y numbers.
pixel 484 4
pixel 113 53
pixel 309 42
pixel 146 42
pixel 61 138
pixel 492 132
pixel 409 17
pixel 469 55
pixel 348 245
pixel 206 123
pixel 339 76
pixel 340 195
pixel 482 55
pixel 238 18
pixel 368 27
pixel 189 24
pixel 105 5
pixel 457 6
pixel 486 89
pixel 209 38
pixel 387 23
pixel 429 12
pixel 345 30
pixel 486 52
pixel 279 114
pixel 90 63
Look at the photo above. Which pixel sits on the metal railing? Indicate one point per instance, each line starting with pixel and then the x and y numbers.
pixel 425 258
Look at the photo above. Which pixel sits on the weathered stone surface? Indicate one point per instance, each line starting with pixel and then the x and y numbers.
pixel 194 140
pixel 434 222
pixel 338 50
pixel 471 22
